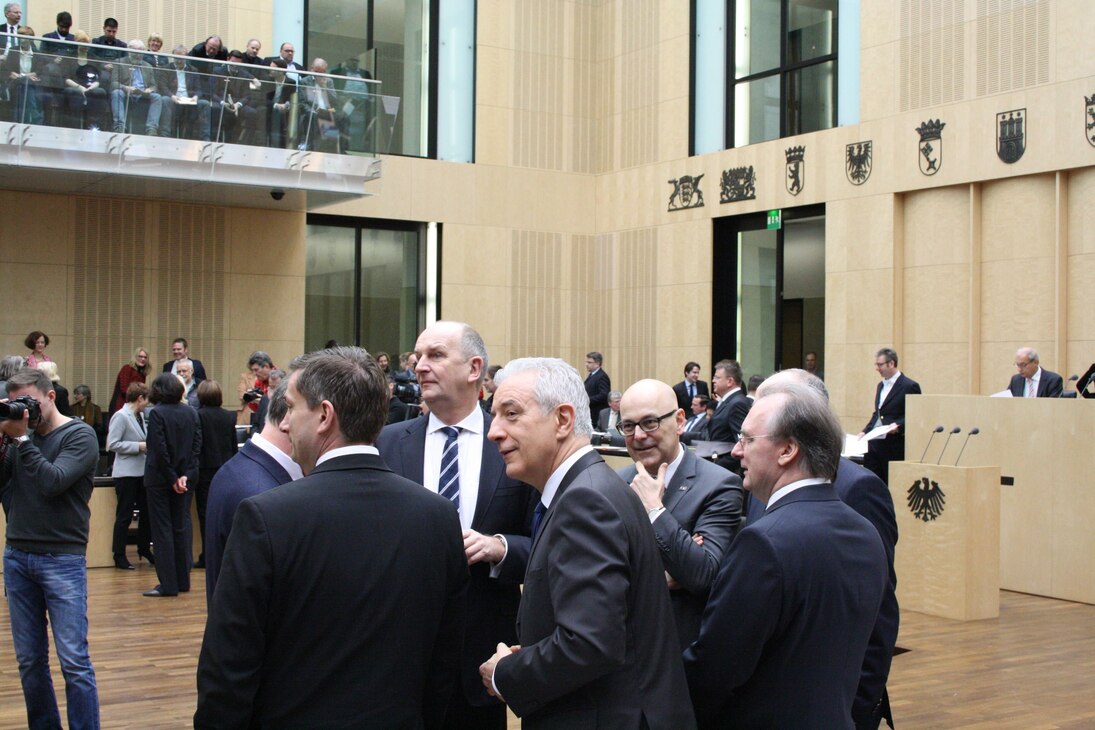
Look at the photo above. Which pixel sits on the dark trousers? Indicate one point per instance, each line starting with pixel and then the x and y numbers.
pixel 463 716
pixel 170 513
pixel 131 493
pixel 201 494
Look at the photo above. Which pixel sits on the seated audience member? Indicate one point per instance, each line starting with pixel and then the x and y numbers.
pixel 21 74
pixel 113 51
pixel 695 428
pixel 211 51
pixel 609 417
pixel 87 103
pixel 186 96
pixel 59 63
pixel 1033 381
pixel 236 101
pixel 88 412
pixel 327 124
pixel 286 87
pixel 251 56
pixel 9 366
pixel 155 45
pixel 135 85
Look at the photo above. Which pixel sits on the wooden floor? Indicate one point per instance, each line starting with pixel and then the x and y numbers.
pixel 1032 668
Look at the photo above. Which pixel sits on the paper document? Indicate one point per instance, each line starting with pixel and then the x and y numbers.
pixel 1002 394
pixel 854 446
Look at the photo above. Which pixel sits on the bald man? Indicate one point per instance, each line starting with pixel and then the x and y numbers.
pixel 686 499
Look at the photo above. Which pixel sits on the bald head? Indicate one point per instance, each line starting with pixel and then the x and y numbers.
pixel 650 400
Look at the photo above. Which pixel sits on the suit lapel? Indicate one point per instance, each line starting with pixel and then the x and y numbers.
pixel 491 471
pixel 413 450
pixel 681 481
pixel 579 466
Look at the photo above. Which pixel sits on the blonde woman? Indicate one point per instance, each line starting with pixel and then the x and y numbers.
pixel 50 369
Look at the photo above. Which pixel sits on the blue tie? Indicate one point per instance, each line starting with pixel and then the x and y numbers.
pixel 448 486
pixel 537 515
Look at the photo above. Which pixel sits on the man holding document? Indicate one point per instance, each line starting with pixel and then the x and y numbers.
pixel 889 413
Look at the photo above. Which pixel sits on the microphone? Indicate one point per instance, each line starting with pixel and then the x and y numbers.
pixel 956 429
pixel 973 432
pixel 1065 392
pixel 938 429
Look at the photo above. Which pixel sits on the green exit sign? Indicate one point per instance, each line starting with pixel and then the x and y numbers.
pixel 775 220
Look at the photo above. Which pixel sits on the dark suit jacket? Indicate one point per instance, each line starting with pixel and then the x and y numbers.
pixel 174 445
pixel 703 499
pixel 218 438
pixel 726 424
pixel 504 507
pixel 864 492
pixel 199 369
pixel 683 400
pixel 597 647
pixel 787 624
pixel 251 471
pixel 339 605
pixel 1050 385
pixel 880 452
pixel 598 385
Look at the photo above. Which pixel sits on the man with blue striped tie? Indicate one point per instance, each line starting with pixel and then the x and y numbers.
pixel 448 452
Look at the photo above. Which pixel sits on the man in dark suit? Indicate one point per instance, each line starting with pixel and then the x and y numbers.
pixel 280 93
pixel 180 350
pixel 262 463
pixel 597 645
pixel 694 506
pixel 690 387
pixel 340 600
pixel 889 410
pixel 609 417
pixel 495 511
pixel 868 495
pixel 59 66
pixel 1032 381
pixel 790 614
pixel 731 411
pixel 598 385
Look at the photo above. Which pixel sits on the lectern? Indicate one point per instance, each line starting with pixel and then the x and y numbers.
pixel 948 549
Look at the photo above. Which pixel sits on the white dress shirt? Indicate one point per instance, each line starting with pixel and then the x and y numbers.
pixel 469 459
pixel 280 456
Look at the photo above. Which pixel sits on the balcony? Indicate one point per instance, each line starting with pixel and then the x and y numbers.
pixel 98 120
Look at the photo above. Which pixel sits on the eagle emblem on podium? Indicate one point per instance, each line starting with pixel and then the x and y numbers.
pixel 926 499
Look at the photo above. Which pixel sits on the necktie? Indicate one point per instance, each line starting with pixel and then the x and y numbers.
pixel 1030 389
pixel 691 391
pixel 537 515
pixel 448 486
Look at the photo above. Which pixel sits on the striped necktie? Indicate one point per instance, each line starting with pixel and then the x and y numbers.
pixel 448 486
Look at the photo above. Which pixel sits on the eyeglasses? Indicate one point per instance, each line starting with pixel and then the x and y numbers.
pixel 746 440
pixel 647 425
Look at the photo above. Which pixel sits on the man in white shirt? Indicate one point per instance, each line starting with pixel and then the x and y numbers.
pixel 889 410
pixel 1032 381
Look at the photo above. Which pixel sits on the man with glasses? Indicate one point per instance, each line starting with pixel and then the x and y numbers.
pixel 1032 381
pixel 889 410
pixel 694 506
pixel 789 617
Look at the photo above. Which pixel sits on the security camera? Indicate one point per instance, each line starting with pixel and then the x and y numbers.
pixel 277 194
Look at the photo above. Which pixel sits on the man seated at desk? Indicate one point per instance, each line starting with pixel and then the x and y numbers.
pixel 1032 381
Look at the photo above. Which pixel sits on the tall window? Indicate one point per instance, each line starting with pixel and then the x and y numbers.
pixel 364 283
pixel 780 70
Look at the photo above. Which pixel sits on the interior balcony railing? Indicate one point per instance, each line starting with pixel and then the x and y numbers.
pixel 102 116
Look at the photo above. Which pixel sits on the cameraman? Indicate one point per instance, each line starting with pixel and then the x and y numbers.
pixel 253 385
pixel 45 485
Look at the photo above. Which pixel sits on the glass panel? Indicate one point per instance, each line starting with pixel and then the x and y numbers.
pixel 756 111
pixel 757 302
pixel 329 286
pixel 710 76
pixel 756 37
pixel 810 25
pixel 389 290
pixel 804 280
pixel 400 35
pixel 810 95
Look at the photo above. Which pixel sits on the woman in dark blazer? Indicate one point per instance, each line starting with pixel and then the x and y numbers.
pixel 218 446
pixel 170 471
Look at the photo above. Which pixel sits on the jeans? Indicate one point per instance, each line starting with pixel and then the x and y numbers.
pixel 37 585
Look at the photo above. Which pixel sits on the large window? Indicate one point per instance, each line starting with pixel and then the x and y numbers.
pixel 364 284
pixel 780 70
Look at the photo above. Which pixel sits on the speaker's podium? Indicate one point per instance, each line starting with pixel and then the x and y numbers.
pixel 948 552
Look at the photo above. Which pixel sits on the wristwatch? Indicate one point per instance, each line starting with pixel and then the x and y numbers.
pixel 20 440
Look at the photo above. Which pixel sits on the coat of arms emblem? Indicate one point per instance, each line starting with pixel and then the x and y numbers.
pixel 931 146
pixel 796 169
pixel 1089 119
pixel 686 193
pixel 858 162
